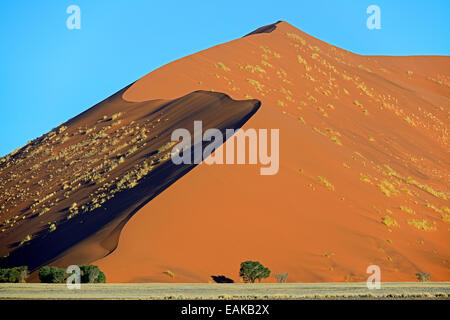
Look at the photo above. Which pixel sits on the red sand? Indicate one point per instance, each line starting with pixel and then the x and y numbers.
pixel 367 124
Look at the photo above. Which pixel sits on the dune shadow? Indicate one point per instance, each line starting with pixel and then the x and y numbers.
pixel 222 279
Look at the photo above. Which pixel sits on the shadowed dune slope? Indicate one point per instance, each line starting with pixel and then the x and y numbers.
pixel 363 179
pixel 80 183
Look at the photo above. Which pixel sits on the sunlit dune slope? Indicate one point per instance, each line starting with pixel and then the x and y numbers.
pixel 363 179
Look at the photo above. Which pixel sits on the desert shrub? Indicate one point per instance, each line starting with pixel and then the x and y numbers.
pixel 14 275
pixel 169 273
pixel 423 276
pixel 253 270
pixel 92 274
pixel 49 274
pixel 281 277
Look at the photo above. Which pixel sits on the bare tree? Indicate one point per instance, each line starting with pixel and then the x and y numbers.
pixel 281 277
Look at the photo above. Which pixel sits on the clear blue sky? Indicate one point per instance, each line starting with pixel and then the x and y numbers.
pixel 49 73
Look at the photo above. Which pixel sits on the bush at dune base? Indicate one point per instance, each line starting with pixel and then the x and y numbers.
pixel 49 274
pixel 92 274
pixel 88 273
pixel 14 275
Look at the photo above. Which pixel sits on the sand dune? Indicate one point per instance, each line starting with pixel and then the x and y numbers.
pixel 113 165
pixel 363 178
pixel 365 124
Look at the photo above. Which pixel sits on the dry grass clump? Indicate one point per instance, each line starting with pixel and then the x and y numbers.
pixel 389 222
pixel 325 182
pixel 407 210
pixel 388 188
pixel 258 86
pixel 336 140
pixel 427 188
pixel 25 240
pixel 296 37
pixel 254 69
pixel 169 273
pixel 73 209
pixel 364 178
pixel 116 115
pixel 357 103
pixel 301 60
pixel 410 121
pixel 266 64
pixel 422 225
pixel 51 227
pixel 222 66
pixel 445 217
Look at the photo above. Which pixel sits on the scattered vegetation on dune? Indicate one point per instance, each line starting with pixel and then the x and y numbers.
pixel 25 240
pixel 169 273
pixel 422 224
pixel 388 188
pixel 222 66
pixel 445 217
pixel 357 103
pixel 407 209
pixel 325 182
pixel 410 121
pixel 427 188
pixel 254 69
pixel 296 37
pixel 364 178
pixel 258 86
pixel 389 222
pixel 336 140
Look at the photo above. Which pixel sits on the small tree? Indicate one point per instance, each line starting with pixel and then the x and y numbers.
pixel 281 277
pixel 252 270
pixel 423 276
pixel 14 275
pixel 50 274
pixel 92 274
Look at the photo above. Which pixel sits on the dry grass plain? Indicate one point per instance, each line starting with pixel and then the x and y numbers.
pixel 180 291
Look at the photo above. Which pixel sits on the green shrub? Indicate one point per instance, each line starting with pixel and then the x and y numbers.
pixel 88 274
pixel 252 270
pixel 14 275
pixel 423 276
pixel 49 274
pixel 92 274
